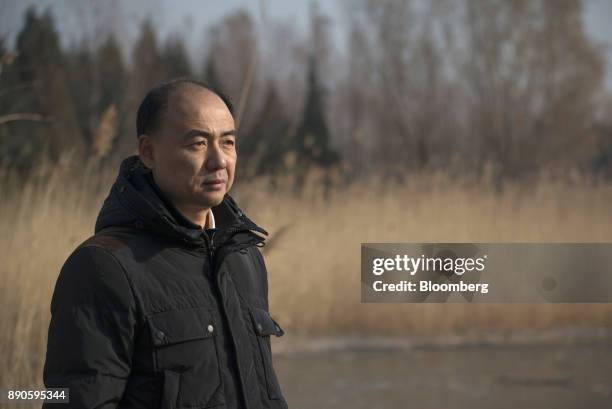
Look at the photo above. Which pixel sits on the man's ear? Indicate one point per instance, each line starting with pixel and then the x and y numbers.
pixel 146 150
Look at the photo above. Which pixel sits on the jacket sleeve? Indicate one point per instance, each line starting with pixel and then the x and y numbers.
pixel 91 333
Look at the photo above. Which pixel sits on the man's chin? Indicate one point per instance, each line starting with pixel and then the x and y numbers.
pixel 212 199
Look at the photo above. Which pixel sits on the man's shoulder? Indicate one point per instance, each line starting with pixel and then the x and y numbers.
pixel 92 272
pixel 116 243
pixel 100 260
pixel 111 239
pixel 126 245
pixel 102 248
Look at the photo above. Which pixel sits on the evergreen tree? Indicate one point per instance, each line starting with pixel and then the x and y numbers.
pixel 112 94
pixel 265 146
pixel 147 64
pixel 83 85
pixel 175 60
pixel 147 70
pixel 210 74
pixel 112 74
pixel 312 139
pixel 41 62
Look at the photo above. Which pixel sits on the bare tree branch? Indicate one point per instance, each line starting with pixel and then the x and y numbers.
pixel 23 116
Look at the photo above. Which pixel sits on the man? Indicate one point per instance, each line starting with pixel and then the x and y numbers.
pixel 166 306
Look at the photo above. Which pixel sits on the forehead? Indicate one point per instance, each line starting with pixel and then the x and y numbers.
pixel 193 106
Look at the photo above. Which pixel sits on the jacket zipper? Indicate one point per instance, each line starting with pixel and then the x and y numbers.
pixel 211 245
pixel 213 265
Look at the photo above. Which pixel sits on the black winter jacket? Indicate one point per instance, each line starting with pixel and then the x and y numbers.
pixel 154 312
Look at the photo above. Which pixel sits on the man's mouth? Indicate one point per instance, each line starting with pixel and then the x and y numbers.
pixel 214 183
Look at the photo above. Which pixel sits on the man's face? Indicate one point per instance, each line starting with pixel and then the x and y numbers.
pixel 192 153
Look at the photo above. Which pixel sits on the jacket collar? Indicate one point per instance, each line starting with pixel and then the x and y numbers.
pixel 135 200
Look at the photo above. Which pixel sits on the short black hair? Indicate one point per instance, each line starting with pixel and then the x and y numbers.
pixel 156 101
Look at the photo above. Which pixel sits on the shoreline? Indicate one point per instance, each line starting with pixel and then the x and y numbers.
pixel 569 337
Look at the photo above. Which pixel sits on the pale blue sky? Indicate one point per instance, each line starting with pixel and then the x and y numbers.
pixel 190 18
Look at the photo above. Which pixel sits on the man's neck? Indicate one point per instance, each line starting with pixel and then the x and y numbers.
pixel 194 215
pixel 199 216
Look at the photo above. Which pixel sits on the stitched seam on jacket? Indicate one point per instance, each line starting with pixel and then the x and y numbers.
pixel 127 278
pixel 80 378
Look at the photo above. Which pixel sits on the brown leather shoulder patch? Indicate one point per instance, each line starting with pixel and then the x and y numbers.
pixel 110 239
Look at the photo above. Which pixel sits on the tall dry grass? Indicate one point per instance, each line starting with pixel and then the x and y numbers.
pixel 315 268
pixel 313 256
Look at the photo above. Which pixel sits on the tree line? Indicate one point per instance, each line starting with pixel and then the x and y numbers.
pixel 513 88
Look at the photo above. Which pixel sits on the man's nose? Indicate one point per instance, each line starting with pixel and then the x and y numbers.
pixel 215 157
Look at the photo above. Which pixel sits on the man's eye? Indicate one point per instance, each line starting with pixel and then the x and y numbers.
pixel 229 142
pixel 199 144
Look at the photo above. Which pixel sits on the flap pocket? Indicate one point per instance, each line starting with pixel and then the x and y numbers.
pixel 264 324
pixel 171 327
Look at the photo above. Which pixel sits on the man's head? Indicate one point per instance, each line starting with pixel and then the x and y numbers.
pixel 187 137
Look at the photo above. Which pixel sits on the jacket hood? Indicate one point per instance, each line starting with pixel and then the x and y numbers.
pixel 135 200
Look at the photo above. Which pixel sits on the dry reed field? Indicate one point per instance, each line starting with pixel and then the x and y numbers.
pixel 313 255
